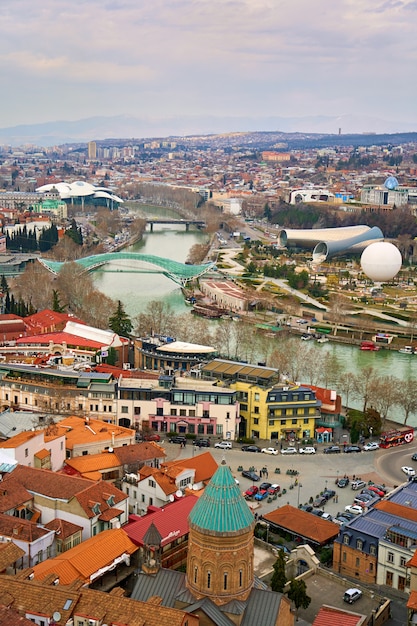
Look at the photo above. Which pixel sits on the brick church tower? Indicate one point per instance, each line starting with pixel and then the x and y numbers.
pixel 220 543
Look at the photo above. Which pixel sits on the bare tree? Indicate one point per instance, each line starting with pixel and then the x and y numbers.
pixel 337 309
pixel 346 386
pixel 157 318
pixel 407 397
pixel 34 285
pixel 363 385
pixel 384 394
pixel 223 338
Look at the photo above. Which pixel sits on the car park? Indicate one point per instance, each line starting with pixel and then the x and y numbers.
pixel 358 484
pixel 269 451
pixel 251 492
pixel 178 439
pixel 307 450
pixel 348 449
pixel 262 491
pixel 290 450
pixel 410 471
pixel 372 445
pixel 352 595
pixel 251 475
pixel 356 509
pixel 331 450
pixel 225 445
pixel 250 449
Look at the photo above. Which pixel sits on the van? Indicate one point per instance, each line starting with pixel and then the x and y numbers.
pixel 351 595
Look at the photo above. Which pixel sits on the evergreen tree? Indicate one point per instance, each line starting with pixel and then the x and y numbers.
pixel 298 594
pixel 56 302
pixel 279 578
pixel 120 322
pixel 74 233
pixel 4 284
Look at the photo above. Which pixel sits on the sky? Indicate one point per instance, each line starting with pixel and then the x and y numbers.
pixel 154 59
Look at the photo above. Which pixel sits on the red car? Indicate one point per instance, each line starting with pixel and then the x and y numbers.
pixel 378 492
pixel 151 437
pixel 251 492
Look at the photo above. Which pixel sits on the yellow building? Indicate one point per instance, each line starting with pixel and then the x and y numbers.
pixel 268 409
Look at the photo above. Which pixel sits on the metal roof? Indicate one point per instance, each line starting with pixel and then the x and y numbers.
pixel 222 508
pixel 262 608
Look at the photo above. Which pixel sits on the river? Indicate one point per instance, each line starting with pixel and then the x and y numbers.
pixel 135 290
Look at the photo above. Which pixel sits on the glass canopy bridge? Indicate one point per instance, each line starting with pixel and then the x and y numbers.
pixel 180 273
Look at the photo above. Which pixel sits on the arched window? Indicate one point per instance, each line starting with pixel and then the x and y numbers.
pixel 240 578
pixel 195 574
pixel 225 581
pixel 208 579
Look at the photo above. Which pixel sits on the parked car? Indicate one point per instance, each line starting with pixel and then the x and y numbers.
pixel 331 450
pixel 414 457
pixel 372 445
pixel 329 493
pixel 307 450
pixel 202 443
pixel 317 512
pixel 178 439
pixel 376 490
pixel 362 499
pixel 351 595
pixel 410 471
pixel 225 445
pixel 356 509
pixel 343 482
pixel 250 449
pixel 290 450
pixel 251 492
pixel 262 491
pixel 306 507
pixel 352 449
pixel 269 451
pixel 251 475
pixel 320 501
pixel 273 489
pixel 327 516
pixel 151 437
pixel 358 484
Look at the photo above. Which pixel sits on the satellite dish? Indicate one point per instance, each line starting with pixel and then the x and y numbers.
pixel 178 493
pixel 171 498
pixel 195 487
pixel 110 449
pixel 56 616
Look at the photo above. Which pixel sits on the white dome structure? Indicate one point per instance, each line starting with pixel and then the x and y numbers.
pixel 381 261
pixel 80 189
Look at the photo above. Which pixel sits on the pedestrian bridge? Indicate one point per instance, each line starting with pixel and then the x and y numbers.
pixel 180 273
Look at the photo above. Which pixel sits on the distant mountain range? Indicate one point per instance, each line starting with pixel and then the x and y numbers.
pixel 122 126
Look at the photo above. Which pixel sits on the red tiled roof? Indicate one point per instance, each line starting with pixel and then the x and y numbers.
pixel 48 320
pixel 330 616
pixel 170 521
pixel 412 601
pixel 63 528
pixel 60 337
pixel 304 524
pixel 203 464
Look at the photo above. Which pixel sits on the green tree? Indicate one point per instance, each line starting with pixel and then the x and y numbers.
pixel 56 302
pixel 4 285
pixel 120 322
pixel 279 577
pixel 298 594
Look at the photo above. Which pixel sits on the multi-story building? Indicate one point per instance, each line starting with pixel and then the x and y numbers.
pixel 268 409
pixel 375 547
pixel 184 405
pixel 164 354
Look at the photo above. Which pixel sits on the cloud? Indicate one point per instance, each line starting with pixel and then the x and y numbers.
pixel 229 54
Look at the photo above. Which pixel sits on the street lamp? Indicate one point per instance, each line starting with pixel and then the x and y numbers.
pixel 298 495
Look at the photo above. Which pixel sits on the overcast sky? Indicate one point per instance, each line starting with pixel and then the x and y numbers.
pixel 72 59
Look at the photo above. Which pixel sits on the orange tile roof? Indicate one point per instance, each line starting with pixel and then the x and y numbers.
pixel 399 510
pixel 304 524
pixel 78 430
pixel 203 464
pixel 85 560
pixel 42 454
pixel 21 529
pixel 20 439
pixel 93 462
pixel 329 616
pixel 412 601
pixel 63 528
pixel 13 494
pixel 9 554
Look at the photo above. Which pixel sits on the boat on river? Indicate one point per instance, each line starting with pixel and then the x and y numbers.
pixel 370 346
pixel 407 350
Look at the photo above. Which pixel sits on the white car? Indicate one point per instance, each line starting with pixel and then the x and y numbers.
pixel 289 450
pixel 354 508
pixel 408 470
pixel 307 450
pixel 226 445
pixel 372 445
pixel 269 451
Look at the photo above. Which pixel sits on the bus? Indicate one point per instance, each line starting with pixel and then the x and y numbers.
pixel 392 438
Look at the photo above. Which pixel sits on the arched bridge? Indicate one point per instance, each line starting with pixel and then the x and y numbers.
pixel 180 273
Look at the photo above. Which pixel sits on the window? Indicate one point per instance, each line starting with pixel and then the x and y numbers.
pixel 306 420
pixel 256 397
pixel 344 557
pixel 219 429
pixel 151 483
pixel 357 562
pixel 372 549
pixel 160 411
pixel 388 579
pixel 240 578
pixel 271 423
pixel 80 407
pixel 26 452
pixel 371 567
pixel 359 544
pixel 206 414
pixel 293 421
pixel 195 574
pixel 191 413
pixel 283 422
pixel 173 411
pixel 208 579
pixel 256 410
pixel 346 539
pixel 136 410
pixel 390 557
pixel 125 409
pixel 256 420
pixel 183 412
pixel 224 581
pixel 402 561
